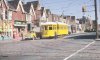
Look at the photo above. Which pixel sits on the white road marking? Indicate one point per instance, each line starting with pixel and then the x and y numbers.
pixel 78 51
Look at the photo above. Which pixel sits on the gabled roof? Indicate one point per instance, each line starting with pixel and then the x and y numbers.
pixel 13 5
pixel 35 4
pixel 42 9
pixel 27 7
pixel 5 3
pixel 48 11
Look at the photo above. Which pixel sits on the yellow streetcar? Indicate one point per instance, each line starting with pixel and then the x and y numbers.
pixel 49 29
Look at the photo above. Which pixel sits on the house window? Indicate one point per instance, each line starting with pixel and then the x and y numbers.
pixel 9 14
pixel 6 15
pixel 28 18
pixel 3 14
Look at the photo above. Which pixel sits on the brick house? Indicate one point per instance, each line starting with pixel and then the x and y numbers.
pixel 18 17
pixel 30 15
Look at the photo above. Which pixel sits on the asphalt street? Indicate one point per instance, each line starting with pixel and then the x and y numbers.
pixel 67 48
pixel 91 35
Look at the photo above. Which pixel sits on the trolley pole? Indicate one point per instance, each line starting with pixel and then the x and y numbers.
pixel 96 18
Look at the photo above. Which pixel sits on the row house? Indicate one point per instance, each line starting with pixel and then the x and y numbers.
pixel 30 16
pixel 18 17
pixel 55 18
pixel 49 15
pixel 37 9
pixel 5 19
pixel 62 19
pixel 46 15
pixel 43 15
pixel 25 17
pixel 72 23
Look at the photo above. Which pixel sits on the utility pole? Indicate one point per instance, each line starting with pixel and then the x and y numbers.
pixel 84 18
pixel 96 18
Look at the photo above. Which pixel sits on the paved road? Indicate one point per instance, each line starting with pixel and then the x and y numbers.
pixel 59 49
pixel 90 53
pixel 91 35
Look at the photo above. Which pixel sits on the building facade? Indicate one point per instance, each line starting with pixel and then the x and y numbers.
pixel 18 18
pixel 5 19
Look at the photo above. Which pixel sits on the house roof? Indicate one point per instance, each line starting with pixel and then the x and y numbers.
pixel 35 4
pixel 42 9
pixel 5 3
pixel 13 4
pixel 64 17
pixel 27 7
pixel 48 12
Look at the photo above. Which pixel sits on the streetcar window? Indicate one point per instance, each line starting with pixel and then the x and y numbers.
pixel 57 27
pixel 45 27
pixel 50 28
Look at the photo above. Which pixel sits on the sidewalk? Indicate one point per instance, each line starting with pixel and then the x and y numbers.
pixel 5 38
pixel 9 39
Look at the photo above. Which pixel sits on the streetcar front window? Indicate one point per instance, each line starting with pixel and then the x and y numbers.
pixel 50 28
pixel 46 28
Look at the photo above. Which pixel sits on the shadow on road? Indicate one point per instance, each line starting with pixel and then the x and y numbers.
pixel 91 35
pixel 83 37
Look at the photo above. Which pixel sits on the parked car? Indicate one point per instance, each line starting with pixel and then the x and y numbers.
pixel 30 36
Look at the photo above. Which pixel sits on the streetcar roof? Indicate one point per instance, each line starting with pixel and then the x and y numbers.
pixel 48 23
pixel 61 23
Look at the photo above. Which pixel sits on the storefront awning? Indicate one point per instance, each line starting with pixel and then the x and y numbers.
pixel 20 25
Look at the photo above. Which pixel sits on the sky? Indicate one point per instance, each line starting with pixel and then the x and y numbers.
pixel 70 7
